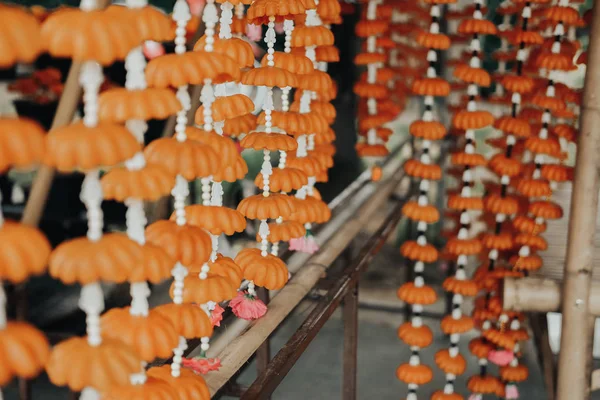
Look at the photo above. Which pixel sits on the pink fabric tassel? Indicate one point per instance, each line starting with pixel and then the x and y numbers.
pixel 248 307
pixel 216 315
pixel 201 365
pixel 512 392
pixel 305 244
pixel 254 32
pixel 501 357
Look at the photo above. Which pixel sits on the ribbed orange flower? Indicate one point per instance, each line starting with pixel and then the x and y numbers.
pixel 415 252
pixel 415 336
pixel 412 294
pixel 417 374
pixel 450 365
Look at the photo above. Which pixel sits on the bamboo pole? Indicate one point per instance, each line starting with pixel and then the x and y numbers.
pixel 36 203
pixel 67 105
pixel 541 295
pixel 572 359
pixel 237 353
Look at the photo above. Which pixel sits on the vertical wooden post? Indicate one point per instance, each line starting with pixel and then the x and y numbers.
pixel 36 203
pixel 572 384
pixel 263 354
pixel 350 315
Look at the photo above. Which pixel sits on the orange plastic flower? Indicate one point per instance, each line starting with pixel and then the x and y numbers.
pixel 184 243
pixel 458 246
pixel 227 107
pixel 267 207
pixel 270 77
pixel 501 339
pixel 234 48
pixel 21 38
pixel 24 351
pixel 316 81
pixel 159 335
pixel 450 365
pixel 478 76
pixel 477 26
pixel 374 150
pixel 189 320
pixel 191 68
pixel 534 187
pixel 283 232
pixel 424 171
pixel 480 348
pixel 430 130
pixel 292 62
pixel 415 336
pixel 24 252
pixel 486 384
pixel 470 159
pixel 416 212
pixel 215 219
pixel 463 287
pixel 417 374
pixel 501 205
pixel 411 294
pixel 518 83
pixel 415 252
pixel 472 119
pixel 365 28
pixel 260 10
pixel 149 183
pixel 78 147
pixel 437 41
pixel 151 389
pixel 501 241
pixel 284 180
pixel 268 141
pixel 99 36
pixel 518 373
pixel 200 291
pixel 111 259
pixel 450 325
pixel 431 87
pixel 304 36
pixel 268 272
pixel 189 385
pixel 374 90
pixel 190 159
pixel 369 58
pixel 545 209
pixel 514 126
pixel 503 165
pixel 120 104
pixel 240 125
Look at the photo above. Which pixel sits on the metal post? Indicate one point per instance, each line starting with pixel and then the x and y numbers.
pixel 572 384
pixel 350 343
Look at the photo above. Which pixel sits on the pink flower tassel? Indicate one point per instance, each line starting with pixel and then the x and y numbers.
pixel 512 392
pixel 475 396
pixel 248 307
pixel 216 315
pixel 501 357
pixel 254 32
pixel 201 365
pixel 306 244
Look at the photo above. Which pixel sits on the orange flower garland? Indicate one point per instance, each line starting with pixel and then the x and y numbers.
pixel 461 246
pixel 417 293
pixel 502 205
pixel 88 364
